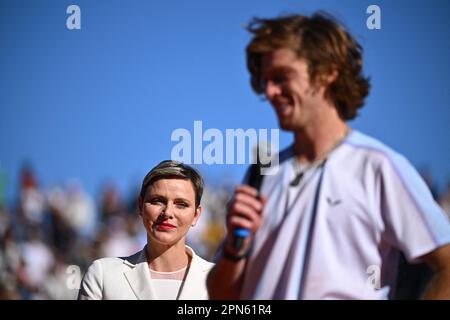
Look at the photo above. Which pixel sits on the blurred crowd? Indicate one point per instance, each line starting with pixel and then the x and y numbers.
pixel 50 237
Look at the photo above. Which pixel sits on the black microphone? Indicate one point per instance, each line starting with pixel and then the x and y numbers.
pixel 255 180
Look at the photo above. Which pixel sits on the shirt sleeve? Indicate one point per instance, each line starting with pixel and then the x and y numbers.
pixel 92 284
pixel 414 222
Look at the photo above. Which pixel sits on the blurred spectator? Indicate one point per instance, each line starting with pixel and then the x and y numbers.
pixel 10 260
pixel 208 233
pixel 31 199
pixel 80 210
pixel 5 220
pixel 38 260
pixel 62 233
pixel 61 284
pixel 110 203
pixel 120 239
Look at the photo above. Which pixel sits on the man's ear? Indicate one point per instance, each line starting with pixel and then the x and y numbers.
pixel 328 78
pixel 324 80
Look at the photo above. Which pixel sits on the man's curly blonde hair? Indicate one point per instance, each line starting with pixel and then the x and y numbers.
pixel 324 44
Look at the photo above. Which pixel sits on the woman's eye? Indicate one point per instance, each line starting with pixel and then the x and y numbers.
pixel 181 205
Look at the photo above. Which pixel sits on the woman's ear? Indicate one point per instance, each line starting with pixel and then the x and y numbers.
pixel 197 214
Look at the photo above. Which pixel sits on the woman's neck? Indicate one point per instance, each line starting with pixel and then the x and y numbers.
pixel 167 258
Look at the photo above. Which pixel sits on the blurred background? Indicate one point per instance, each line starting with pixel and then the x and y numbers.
pixel 85 114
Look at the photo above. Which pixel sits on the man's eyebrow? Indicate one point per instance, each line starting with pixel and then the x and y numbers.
pixel 276 69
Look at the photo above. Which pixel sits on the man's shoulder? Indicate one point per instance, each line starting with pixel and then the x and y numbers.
pixel 366 152
pixel 370 147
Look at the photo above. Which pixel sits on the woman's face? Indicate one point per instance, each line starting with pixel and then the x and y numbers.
pixel 168 210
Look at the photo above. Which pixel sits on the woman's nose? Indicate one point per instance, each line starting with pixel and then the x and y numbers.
pixel 167 211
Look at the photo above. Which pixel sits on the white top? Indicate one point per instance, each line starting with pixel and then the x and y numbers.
pixel 167 285
pixel 338 233
pixel 166 289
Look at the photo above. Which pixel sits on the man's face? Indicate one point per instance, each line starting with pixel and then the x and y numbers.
pixel 289 89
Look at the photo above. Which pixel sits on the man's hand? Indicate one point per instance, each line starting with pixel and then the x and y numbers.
pixel 245 211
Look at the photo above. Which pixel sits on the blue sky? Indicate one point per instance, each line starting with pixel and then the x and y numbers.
pixel 101 103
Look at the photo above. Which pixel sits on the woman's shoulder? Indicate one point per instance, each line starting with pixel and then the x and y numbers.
pixel 202 263
pixel 206 265
pixel 117 262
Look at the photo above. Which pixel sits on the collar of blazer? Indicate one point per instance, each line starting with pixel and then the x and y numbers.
pixel 138 277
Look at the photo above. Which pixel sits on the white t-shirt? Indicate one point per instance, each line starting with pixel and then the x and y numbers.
pixel 338 233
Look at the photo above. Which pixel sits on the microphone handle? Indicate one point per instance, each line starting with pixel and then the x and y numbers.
pixel 255 181
pixel 239 235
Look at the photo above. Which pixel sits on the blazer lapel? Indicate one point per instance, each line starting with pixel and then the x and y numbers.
pixel 138 278
pixel 193 286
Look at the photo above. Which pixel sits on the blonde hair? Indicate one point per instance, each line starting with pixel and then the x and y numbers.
pixel 169 169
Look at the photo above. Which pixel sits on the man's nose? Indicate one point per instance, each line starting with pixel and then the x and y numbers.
pixel 272 90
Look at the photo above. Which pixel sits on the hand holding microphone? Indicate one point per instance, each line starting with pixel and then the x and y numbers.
pixel 245 214
pixel 254 181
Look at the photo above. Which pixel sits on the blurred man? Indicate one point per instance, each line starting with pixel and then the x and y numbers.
pixel 332 218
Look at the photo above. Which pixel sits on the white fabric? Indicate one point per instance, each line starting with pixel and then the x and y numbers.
pixel 370 204
pixel 167 289
pixel 129 279
pixel 173 275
